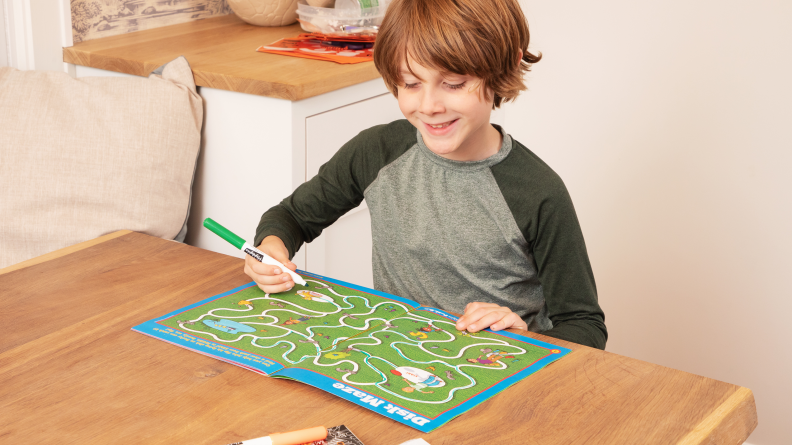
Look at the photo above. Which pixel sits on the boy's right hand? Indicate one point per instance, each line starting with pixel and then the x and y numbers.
pixel 271 279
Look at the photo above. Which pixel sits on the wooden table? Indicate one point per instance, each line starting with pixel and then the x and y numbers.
pixel 72 371
pixel 222 54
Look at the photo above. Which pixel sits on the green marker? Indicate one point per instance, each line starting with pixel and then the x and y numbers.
pixel 242 245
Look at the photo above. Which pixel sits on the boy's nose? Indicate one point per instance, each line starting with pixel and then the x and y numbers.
pixel 431 103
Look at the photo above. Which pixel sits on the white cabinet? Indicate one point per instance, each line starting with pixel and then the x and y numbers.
pixel 343 251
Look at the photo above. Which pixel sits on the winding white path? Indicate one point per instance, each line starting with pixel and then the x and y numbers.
pixel 407 316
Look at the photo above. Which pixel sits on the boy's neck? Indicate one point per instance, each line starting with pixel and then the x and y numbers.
pixel 479 146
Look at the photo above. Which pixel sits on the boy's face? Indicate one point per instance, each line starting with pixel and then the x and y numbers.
pixel 450 111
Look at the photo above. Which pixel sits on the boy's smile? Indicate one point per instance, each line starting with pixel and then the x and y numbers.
pixel 450 111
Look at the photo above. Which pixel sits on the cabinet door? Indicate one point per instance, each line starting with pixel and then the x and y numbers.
pixel 343 251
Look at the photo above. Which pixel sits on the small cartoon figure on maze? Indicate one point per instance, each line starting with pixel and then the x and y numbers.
pixel 490 358
pixel 418 379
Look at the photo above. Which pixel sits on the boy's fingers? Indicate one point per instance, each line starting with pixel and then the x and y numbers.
pixel 264 269
pixel 474 311
pixel 277 288
pixel 285 286
pixel 511 320
pixel 474 306
pixel 464 321
pixel 273 280
pixel 489 315
pixel 267 279
pixel 283 259
pixel 483 311
pixel 469 320
pixel 486 320
pixel 272 284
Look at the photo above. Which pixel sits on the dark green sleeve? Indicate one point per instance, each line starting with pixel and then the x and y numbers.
pixel 544 212
pixel 337 188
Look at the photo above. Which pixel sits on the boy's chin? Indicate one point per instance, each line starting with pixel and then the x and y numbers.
pixel 445 143
pixel 446 149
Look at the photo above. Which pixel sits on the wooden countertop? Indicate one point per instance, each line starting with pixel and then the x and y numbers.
pixel 72 371
pixel 222 54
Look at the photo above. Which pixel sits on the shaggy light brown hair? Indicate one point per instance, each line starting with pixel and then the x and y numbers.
pixel 480 38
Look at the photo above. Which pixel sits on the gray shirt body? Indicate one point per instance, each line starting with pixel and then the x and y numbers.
pixel 447 233
pixel 443 236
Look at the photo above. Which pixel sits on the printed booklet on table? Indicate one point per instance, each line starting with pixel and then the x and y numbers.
pixel 380 351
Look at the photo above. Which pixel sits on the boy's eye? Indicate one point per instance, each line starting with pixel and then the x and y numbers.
pixel 457 86
pixel 410 85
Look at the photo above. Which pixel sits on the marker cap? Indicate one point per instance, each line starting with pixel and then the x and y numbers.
pixel 224 233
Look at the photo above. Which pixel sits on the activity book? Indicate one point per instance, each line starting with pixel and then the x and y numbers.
pixel 380 351
pixel 339 49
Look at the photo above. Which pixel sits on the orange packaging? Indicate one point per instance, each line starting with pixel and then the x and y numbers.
pixel 317 46
pixel 301 437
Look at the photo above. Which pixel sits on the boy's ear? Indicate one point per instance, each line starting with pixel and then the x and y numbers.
pixel 520 52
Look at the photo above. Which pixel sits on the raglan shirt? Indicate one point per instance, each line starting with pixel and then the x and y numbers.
pixel 446 233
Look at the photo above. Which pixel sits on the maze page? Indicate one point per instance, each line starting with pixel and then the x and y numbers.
pixel 266 333
pixel 377 350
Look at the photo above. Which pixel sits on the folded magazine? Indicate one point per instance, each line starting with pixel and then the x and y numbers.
pixel 383 352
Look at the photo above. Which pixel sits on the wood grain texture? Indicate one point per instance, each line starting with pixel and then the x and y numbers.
pixel 72 371
pixel 62 252
pixel 222 54
pixel 725 420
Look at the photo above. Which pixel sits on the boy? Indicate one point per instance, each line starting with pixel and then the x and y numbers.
pixel 463 217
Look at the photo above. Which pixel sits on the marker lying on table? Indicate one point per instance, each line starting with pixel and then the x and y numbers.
pixel 293 438
pixel 242 245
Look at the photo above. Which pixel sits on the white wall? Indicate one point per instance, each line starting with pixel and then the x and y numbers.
pixel 34 34
pixel 48 41
pixel 670 124
pixel 3 38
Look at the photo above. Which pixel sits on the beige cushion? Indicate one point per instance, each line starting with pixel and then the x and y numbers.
pixel 80 158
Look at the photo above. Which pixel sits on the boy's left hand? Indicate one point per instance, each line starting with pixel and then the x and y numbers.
pixel 480 316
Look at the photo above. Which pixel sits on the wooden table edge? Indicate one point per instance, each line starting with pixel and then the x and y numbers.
pixel 702 433
pixel 108 53
pixel 211 79
pixel 63 252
